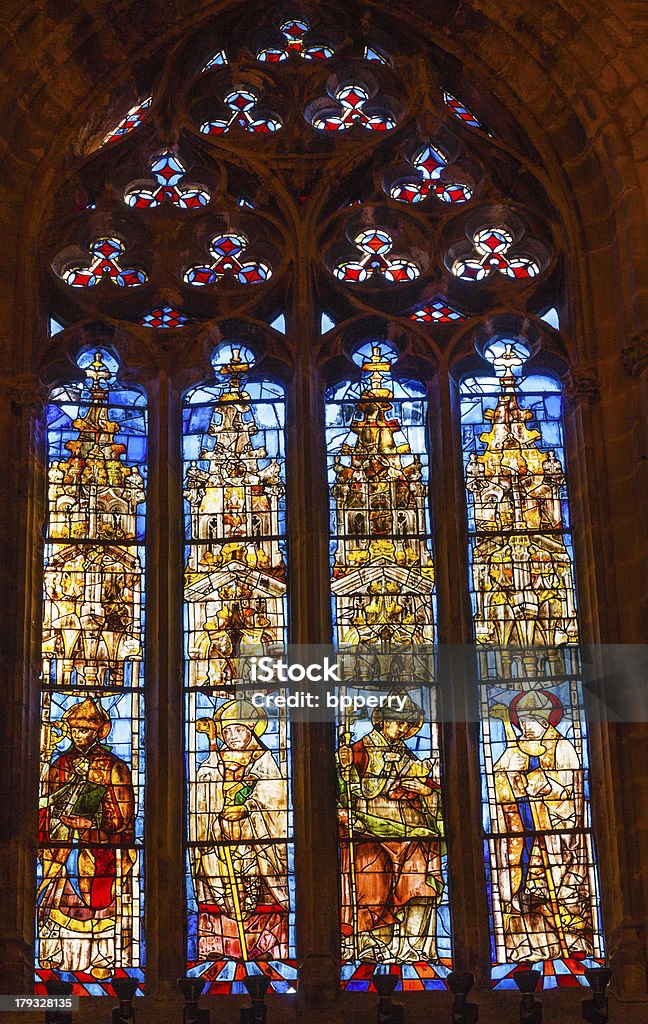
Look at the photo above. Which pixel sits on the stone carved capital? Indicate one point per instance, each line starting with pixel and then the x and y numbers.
pixel 635 353
pixel 581 384
pixel 24 391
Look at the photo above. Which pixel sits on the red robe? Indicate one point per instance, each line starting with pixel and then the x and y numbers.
pixel 389 872
pixel 92 893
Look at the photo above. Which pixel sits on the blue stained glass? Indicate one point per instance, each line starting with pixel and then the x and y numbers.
pixel 218 59
pixel 279 323
pixel 130 122
pixel 437 311
pixel 240 872
pixel 384 607
pixel 373 53
pixel 462 112
pixel 551 317
pixel 55 326
pixel 541 867
pixel 326 323
pixel 92 731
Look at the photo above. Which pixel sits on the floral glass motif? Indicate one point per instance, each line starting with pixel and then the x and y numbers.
pixel 244 114
pixel 217 60
pixel 226 250
pixel 541 867
pixel 168 171
pixel 429 162
pixel 394 891
pixel 348 109
pixel 376 244
pixel 461 111
pixel 105 256
pixel 491 252
pixel 90 891
pixel 164 316
pixel 437 312
pixel 240 880
pixel 133 120
pixel 294 32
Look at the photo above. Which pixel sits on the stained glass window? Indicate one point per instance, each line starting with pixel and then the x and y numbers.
pixel 490 252
pixel 55 326
pixel 294 32
pixel 130 122
pixel 374 258
pixel 164 316
pixel 542 882
pixel 226 251
pixel 244 114
pixel 436 312
pixel 169 265
pixel 104 263
pixel 89 920
pixel 168 171
pixel 551 317
pixel 461 111
pixel 351 104
pixel 394 894
pixel 240 854
pixel 431 167
pixel 376 54
pixel 326 322
pixel 217 59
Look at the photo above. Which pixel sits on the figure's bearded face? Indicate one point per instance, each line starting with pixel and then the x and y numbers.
pixel 83 736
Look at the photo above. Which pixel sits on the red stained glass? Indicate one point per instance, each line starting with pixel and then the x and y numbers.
pixel 430 163
pixel 164 316
pixel 461 111
pixel 104 262
pixel 168 171
pixel 375 245
pixel 437 312
pixel 217 60
pixel 244 114
pixel 348 109
pixel 294 32
pixel 373 53
pixel 133 120
pixel 491 252
pixel 227 250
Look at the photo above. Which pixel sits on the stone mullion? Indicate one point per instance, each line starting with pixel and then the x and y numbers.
pixel 22 424
pixel 314 788
pixel 617 749
pixel 635 360
pixel 164 817
pixel 457 681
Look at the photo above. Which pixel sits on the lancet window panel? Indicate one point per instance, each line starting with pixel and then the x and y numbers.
pixel 240 859
pixel 380 520
pixel 539 850
pixel 393 866
pixel 89 877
